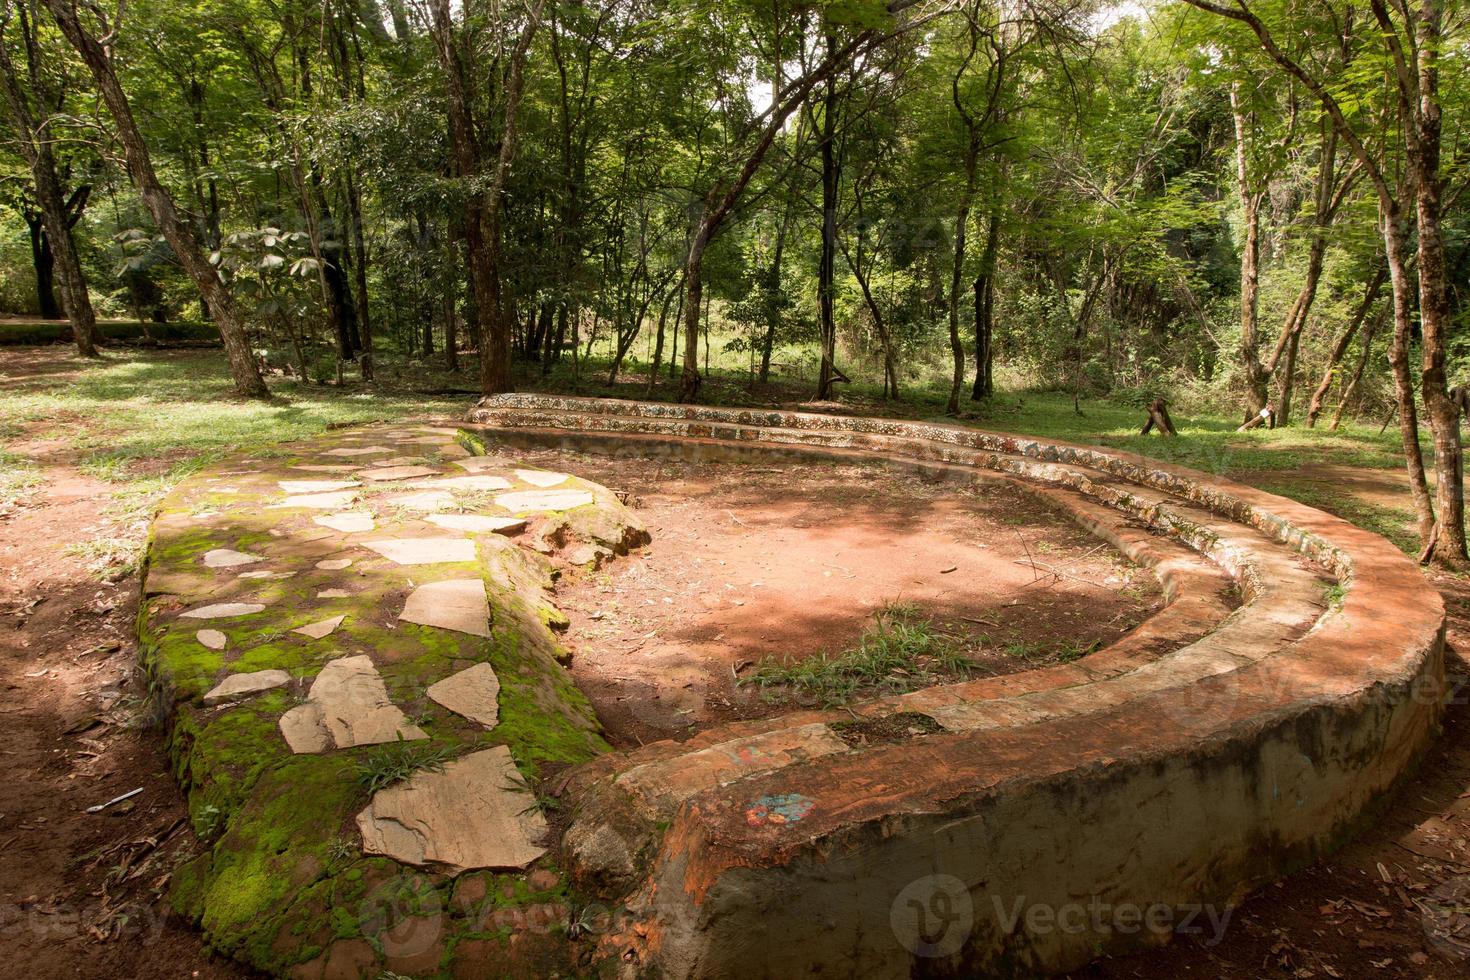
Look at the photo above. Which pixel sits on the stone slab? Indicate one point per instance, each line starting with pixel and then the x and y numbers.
pixel 541 478
pixel 315 486
pixel 473 692
pixel 348 705
pixel 320 628
pixel 348 522
pixel 474 814
pixel 539 501
pixel 223 610
pixel 238 686
pixel 357 451
pixel 388 473
pixel 473 482
pixel 213 639
pixel 423 551
pixel 226 558
pixel 323 501
pixel 428 500
pixel 478 523
pixel 454 604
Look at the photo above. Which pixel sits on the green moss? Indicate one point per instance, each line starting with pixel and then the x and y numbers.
pixel 472 443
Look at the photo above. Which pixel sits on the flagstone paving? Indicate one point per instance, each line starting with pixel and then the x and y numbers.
pixel 421 664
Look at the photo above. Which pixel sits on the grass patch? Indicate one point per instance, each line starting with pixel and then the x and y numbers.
pixel 397 761
pixel 1394 523
pixel 110 558
pixel 900 652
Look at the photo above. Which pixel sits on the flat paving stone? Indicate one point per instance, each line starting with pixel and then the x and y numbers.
pixel 541 478
pixel 349 522
pixel 464 483
pixel 478 464
pixel 536 501
pixel 324 501
pixel 315 486
pixel 357 451
pixel 348 705
pixel 473 692
pixel 428 500
pixel 265 574
pixel 223 610
pixel 321 628
pixel 325 467
pixel 334 564
pixel 387 473
pixel 226 558
pixel 478 523
pixel 333 594
pixel 424 551
pixel 475 813
pixel 454 604
pixel 238 686
pixel 213 639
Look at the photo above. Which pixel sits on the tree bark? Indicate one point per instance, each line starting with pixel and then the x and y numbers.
pixel 243 368
pixel 1250 254
pixel 1435 315
pixel 827 266
pixel 984 290
pixel 55 245
pixel 1340 345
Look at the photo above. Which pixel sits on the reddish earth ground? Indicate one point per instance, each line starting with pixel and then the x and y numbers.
pixel 78 891
pixel 784 562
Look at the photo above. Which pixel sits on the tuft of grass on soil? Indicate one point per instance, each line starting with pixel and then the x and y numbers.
pixel 900 652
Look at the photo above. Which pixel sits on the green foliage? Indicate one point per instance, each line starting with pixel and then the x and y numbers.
pixel 385 765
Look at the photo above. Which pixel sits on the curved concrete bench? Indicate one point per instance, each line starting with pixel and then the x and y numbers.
pixel 1032 822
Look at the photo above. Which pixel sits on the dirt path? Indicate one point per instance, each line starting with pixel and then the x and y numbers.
pixel 79 892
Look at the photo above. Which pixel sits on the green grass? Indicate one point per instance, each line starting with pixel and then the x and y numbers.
pixel 900 652
pixel 388 764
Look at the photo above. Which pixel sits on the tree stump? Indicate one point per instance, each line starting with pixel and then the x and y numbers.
pixel 1158 418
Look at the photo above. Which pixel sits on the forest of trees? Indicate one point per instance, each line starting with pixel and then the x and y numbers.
pixel 1254 205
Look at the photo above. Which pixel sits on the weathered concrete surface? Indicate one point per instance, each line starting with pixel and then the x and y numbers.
pixel 1182 766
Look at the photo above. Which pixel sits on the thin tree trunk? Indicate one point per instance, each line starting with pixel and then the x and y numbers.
pixel 1351 388
pixel 1435 315
pixel 1250 204
pixel 1340 345
pixel 243 369
pixel 54 250
pixel 827 267
pixel 984 289
pixel 1398 359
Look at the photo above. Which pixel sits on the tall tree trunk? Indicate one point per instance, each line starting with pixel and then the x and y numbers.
pixel 1396 252
pixel 827 267
pixel 1250 254
pixel 961 223
pixel 360 286
pixel 1341 342
pixel 43 264
pixel 1435 315
pixel 984 290
pixel 51 238
pixel 1351 388
pixel 243 369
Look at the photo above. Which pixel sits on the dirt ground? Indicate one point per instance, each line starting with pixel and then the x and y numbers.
pixel 78 891
pixel 738 574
